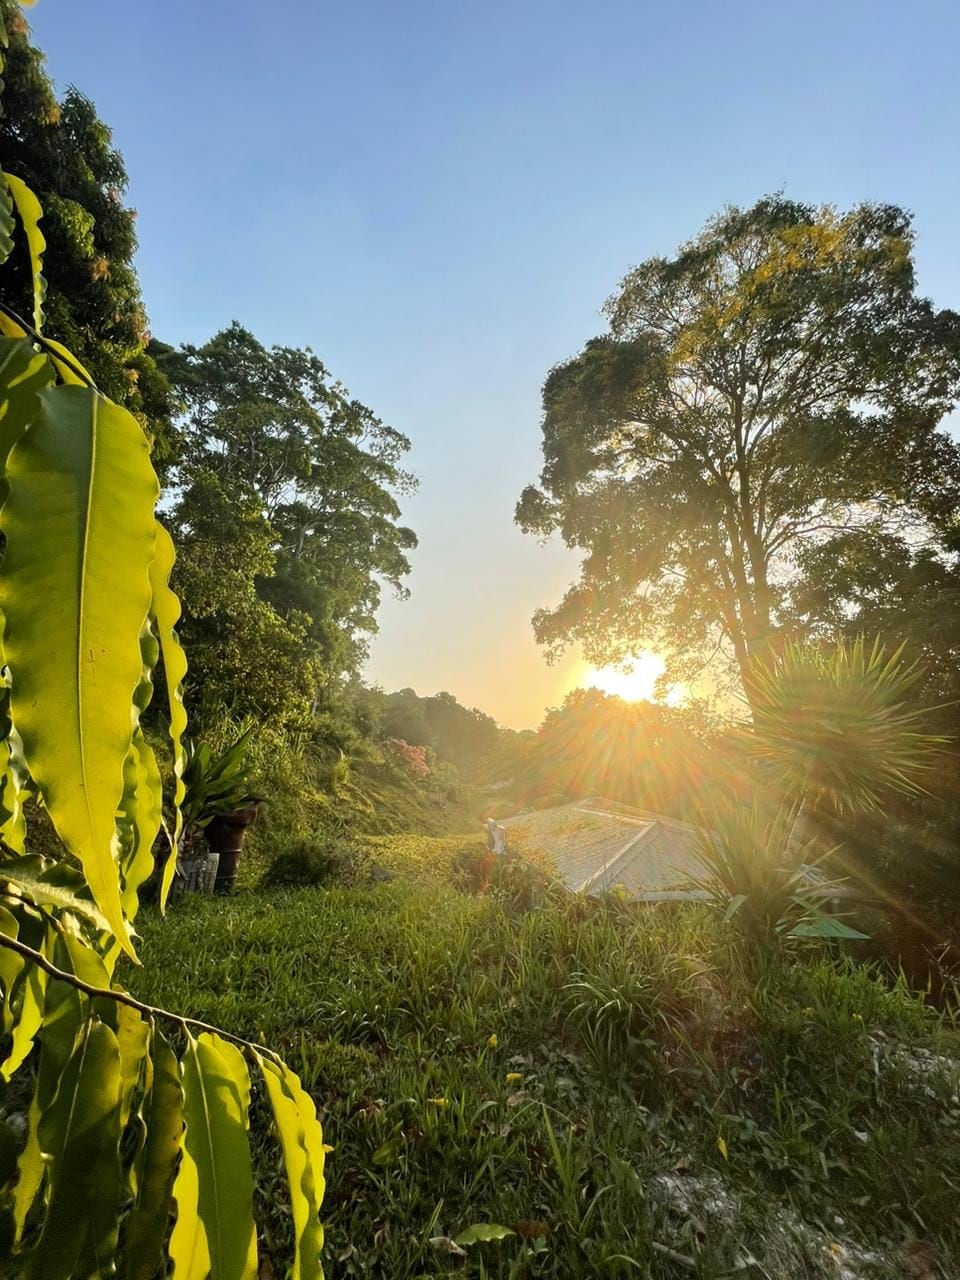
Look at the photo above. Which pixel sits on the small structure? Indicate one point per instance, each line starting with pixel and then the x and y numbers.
pixel 595 846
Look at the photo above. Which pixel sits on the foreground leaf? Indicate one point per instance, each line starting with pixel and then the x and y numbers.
pixel 301 1139
pixel 30 212
pixel 80 1139
pixel 24 373
pixel 75 590
pixel 156 1167
pixel 189 1251
pixel 7 224
pixel 165 610
pixel 215 1112
pixel 50 884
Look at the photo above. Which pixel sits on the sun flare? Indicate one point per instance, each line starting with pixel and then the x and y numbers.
pixel 635 682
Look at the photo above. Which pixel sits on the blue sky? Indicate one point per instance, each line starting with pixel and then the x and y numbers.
pixel 438 197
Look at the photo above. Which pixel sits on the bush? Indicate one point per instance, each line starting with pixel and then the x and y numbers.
pixel 315 861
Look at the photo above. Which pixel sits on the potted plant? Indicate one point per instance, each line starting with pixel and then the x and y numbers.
pixel 219 804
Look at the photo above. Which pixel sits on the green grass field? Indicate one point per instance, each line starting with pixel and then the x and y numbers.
pixel 621 1091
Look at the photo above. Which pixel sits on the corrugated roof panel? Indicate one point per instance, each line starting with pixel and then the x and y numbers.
pixel 596 848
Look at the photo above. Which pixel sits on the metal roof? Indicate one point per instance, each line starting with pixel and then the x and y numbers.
pixel 594 846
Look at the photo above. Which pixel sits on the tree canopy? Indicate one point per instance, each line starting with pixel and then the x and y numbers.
pixel 774 390
pixel 288 521
pixel 64 153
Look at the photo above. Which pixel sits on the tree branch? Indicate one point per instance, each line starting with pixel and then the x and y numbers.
pixel 123 997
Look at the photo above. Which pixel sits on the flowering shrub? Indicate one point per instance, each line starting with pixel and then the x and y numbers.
pixel 413 760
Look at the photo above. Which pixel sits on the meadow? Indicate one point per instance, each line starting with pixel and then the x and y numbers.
pixel 584 1089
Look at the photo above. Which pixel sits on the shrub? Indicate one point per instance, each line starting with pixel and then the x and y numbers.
pixel 316 861
pixel 412 760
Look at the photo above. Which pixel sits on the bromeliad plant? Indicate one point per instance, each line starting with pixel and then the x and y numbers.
pixel 215 785
pixel 138 1117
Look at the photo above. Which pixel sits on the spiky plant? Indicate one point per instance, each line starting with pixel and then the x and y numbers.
pixel 768 889
pixel 840 725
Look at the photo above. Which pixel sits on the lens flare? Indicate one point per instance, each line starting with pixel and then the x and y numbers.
pixel 635 682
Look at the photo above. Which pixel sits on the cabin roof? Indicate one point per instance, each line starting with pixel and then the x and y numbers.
pixel 596 845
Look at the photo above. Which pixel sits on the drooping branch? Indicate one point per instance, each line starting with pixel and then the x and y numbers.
pixel 124 997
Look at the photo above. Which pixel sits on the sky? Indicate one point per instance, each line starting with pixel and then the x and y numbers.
pixel 438 197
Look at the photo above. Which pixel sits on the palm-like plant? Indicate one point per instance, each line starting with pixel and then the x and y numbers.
pixel 767 888
pixel 831 727
pixel 838 725
pixel 215 785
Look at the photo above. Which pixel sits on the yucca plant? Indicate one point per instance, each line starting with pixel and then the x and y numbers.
pixel 840 725
pixel 835 728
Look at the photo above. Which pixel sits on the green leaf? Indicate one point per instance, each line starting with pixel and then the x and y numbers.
pixel 301 1140
pixel 11 967
pixel 74 592
pixel 14 781
pixel 28 1022
pixel 50 884
pixel 69 368
pixel 482 1231
pixel 31 1170
pixel 80 1139
pixel 133 1037
pixel 165 610
pixel 24 373
pixel 7 223
pixel 155 1168
pixel 736 902
pixel 189 1251
pixel 28 207
pixel 825 927
pixel 215 1112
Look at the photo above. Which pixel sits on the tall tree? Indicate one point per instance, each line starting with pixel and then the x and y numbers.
pixel 777 384
pixel 276 458
pixel 64 153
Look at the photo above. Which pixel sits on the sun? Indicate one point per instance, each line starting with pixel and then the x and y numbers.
pixel 634 683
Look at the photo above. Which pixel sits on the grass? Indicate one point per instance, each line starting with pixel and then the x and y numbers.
pixel 621 1090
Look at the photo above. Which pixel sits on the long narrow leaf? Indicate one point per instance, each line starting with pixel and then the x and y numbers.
pixel 7 224
pixel 165 610
pixel 80 1139
pixel 214 1108
pixel 301 1140
pixel 189 1251
pixel 24 373
pixel 30 212
pixel 75 591
pixel 156 1167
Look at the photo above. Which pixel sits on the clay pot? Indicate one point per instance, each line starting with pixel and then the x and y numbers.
pixel 225 836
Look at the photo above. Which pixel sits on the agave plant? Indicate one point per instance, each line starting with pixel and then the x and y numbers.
pixel 840 725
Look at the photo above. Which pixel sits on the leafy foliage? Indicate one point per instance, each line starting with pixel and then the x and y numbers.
pixel 803 1067
pixel 839 723
pixel 64 156
pixel 86 610
pixel 776 385
pixel 290 523
pixel 215 785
